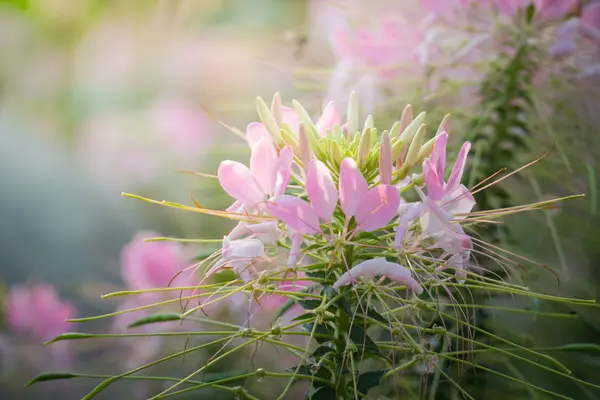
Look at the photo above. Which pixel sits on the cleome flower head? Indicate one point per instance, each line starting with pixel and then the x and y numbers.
pixel 361 233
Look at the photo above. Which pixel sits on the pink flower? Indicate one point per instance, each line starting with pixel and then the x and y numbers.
pixel 446 199
pixel 385 47
pixel 443 7
pixel 546 10
pixel 241 254
pixel 552 10
pixel 379 267
pixel 148 265
pixel 37 310
pixel 454 196
pixel 182 128
pixel 268 175
pixel 373 208
pixel 590 22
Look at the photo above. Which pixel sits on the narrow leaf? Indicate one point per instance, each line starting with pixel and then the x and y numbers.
pixel 154 318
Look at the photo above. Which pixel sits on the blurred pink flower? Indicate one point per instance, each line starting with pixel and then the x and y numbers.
pixel 590 22
pixel 125 149
pixel 443 7
pixel 388 47
pixel 546 10
pixel 182 128
pixel 147 265
pixel 38 310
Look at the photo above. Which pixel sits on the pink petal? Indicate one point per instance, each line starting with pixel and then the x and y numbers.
pixel 377 208
pixel 459 167
pixel 295 213
pixel 353 186
pixel 237 180
pixel 255 132
pixel 549 10
pixel 284 169
pixel 379 267
pixel 460 201
pixel 407 213
pixel 329 119
pixel 262 164
pixel 290 118
pixel 432 180
pixel 436 222
pixel 590 22
pixel 321 190
pixel 147 265
pixel 295 250
pixel 385 159
pixel 510 7
pixel 438 155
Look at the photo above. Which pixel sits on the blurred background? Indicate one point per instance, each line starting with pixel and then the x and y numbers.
pixel 99 97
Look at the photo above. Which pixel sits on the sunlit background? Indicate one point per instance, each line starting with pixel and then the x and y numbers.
pixel 100 97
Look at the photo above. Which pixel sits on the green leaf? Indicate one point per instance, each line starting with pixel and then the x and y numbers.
pixel 316 274
pixel 288 304
pixel 154 318
pixel 369 380
pixel 309 304
pixel 371 313
pixel 304 316
pixel 70 336
pixel 321 351
pixel 322 329
pixel 360 338
pixel 50 376
pixel 321 393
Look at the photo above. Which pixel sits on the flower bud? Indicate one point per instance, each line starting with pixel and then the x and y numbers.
pixel 289 138
pixel 267 118
pixel 395 130
pixel 369 123
pixel 407 117
pixel 364 148
pixel 415 146
pixel 335 152
pixel 306 153
pixel 411 129
pixel 385 159
pixel 444 125
pixel 352 113
pixel 276 107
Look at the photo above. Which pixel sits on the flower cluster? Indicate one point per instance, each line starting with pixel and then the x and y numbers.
pixel 346 181
pixel 359 233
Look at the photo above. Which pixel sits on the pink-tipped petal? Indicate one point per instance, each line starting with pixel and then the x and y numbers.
pixel 379 267
pixel 438 156
pixel 385 159
pixel 321 190
pixel 377 208
pixel 435 189
pixel 459 167
pixel 329 119
pixel 255 132
pixel 284 170
pixel 295 213
pixel 353 186
pixel 237 180
pixel 263 159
